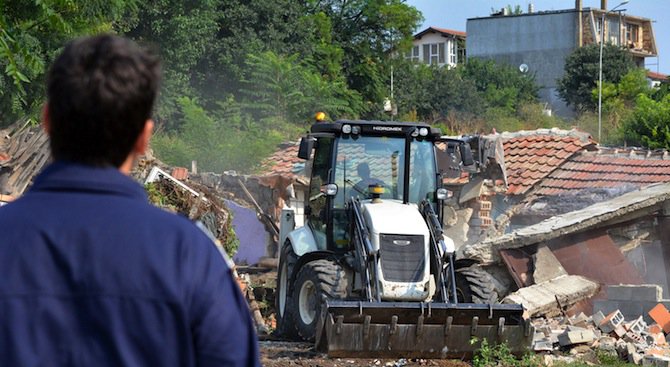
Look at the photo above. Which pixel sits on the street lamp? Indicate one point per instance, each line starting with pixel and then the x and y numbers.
pixel 600 66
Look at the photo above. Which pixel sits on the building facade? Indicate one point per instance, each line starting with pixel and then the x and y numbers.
pixel 438 46
pixel 543 40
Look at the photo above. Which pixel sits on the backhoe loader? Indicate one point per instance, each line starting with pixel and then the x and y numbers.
pixel 371 272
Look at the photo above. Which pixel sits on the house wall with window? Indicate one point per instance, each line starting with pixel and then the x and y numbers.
pixel 436 46
pixel 543 41
pixel 630 32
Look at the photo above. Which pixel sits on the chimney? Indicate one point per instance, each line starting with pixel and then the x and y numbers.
pixel 603 5
pixel 531 8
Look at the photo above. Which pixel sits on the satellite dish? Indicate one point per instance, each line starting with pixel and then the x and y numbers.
pixel 523 68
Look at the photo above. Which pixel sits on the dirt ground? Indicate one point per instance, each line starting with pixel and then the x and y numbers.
pixel 276 353
pixel 281 353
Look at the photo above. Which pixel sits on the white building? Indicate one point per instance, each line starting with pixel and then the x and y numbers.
pixel 438 46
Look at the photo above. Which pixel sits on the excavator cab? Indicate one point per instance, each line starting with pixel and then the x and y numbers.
pixel 371 266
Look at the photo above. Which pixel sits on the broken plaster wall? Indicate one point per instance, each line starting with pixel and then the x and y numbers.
pixel 641 244
pixel 266 197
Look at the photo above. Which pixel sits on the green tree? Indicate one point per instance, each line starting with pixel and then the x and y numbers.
pixel 32 32
pixel 501 85
pixel 283 88
pixel 434 93
pixel 215 138
pixel 618 101
pixel 366 31
pixel 250 27
pixel 649 124
pixel 582 71
pixel 182 33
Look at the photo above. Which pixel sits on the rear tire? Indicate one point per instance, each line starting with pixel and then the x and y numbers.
pixel 474 285
pixel 316 281
pixel 285 325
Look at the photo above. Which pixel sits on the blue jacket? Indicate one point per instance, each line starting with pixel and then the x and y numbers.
pixel 93 275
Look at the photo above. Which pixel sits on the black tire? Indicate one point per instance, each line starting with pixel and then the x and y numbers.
pixel 285 325
pixel 474 285
pixel 315 281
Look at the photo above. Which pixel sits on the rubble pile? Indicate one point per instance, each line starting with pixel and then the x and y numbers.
pixel 586 337
pixel 258 286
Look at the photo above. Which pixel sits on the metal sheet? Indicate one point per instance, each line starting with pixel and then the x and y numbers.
pixel 595 256
pixel 519 262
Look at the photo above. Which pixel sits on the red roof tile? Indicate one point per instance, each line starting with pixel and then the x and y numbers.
pixel 532 155
pixel 179 173
pixel 656 76
pixel 284 161
pixel 444 31
pixel 600 170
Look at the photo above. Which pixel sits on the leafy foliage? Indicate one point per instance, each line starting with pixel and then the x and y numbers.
pixel 31 32
pixel 618 102
pixel 502 85
pixel 582 73
pixel 283 88
pixel 476 97
pixel 366 30
pixel 215 139
pixel 499 355
pixel 649 124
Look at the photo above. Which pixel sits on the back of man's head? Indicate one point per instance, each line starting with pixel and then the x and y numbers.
pixel 101 91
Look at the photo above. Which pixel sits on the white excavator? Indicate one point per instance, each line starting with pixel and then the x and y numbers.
pixel 371 272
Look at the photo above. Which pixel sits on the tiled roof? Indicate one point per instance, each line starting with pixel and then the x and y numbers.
pixel 284 161
pixel 444 31
pixel 656 76
pixel 531 156
pixel 595 170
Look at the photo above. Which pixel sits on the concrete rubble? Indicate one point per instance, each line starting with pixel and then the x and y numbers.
pixel 549 297
pixel 640 340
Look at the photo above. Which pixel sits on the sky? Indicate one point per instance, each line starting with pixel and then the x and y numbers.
pixel 453 14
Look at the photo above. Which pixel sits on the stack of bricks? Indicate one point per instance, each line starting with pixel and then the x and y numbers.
pixel 481 217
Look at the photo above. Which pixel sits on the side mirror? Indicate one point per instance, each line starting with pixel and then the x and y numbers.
pixel 306 147
pixel 329 189
pixel 466 155
pixel 444 194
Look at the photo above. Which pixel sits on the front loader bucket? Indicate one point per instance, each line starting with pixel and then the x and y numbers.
pixel 419 330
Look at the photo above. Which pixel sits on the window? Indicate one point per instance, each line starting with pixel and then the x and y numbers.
pixel 453 53
pixel 413 54
pixel 317 199
pixel 632 34
pixel 614 32
pixel 433 53
pixel 599 26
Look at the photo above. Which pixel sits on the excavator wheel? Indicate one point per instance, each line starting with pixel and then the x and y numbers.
pixel 315 281
pixel 285 325
pixel 474 285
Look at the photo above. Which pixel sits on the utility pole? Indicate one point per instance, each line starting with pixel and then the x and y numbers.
pixel 600 66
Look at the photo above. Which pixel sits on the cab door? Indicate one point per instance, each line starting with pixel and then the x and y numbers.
pixel 318 202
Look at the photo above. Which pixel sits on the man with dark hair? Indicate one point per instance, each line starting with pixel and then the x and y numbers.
pixel 93 274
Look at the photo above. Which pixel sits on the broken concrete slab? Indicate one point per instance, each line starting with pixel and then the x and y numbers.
pixel 458 231
pixel 540 299
pixel 547 266
pixel 640 202
pixel 574 337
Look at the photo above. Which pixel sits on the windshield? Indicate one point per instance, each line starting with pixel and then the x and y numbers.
pixel 366 161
